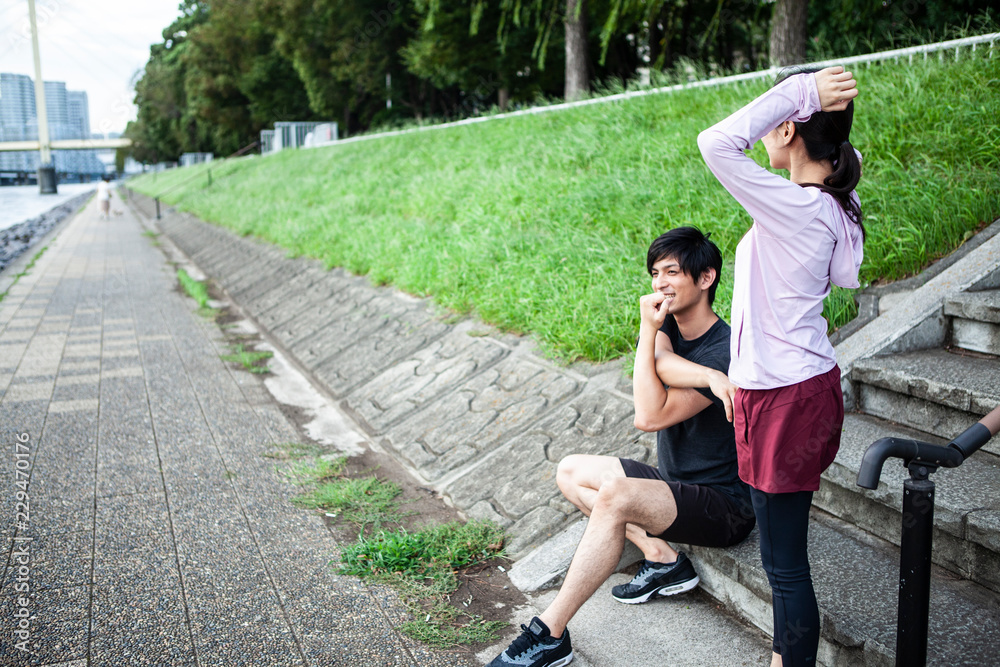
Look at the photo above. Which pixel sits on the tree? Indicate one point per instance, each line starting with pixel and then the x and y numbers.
pixel 343 51
pixel 577 81
pixel 236 82
pixel 164 128
pixel 449 52
pixel 788 32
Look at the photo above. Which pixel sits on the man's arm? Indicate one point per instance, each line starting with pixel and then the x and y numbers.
pixel 668 368
pixel 677 371
pixel 657 407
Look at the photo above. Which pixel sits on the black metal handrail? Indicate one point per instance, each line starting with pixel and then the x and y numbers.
pixel 921 459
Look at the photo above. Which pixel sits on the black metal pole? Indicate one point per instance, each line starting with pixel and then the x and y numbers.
pixel 915 571
pixel 157 208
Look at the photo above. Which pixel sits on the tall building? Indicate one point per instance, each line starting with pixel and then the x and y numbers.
pixel 79 112
pixel 17 108
pixel 69 118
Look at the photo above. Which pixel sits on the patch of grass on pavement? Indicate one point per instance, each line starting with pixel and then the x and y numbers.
pixel 195 289
pixel 249 359
pixel 289 451
pixel 367 501
pixel 422 566
pixel 24 271
pixel 540 223
pixel 316 470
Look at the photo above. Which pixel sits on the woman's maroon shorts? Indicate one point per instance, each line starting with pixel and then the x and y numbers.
pixel 786 437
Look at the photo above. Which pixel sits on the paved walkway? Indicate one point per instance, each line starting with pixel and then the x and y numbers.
pixel 155 532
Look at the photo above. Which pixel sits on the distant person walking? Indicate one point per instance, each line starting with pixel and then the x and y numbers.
pixel 104 197
pixel 806 234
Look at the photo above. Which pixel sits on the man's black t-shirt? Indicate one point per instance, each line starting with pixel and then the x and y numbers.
pixel 702 449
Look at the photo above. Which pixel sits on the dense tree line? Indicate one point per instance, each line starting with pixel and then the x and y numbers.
pixel 228 68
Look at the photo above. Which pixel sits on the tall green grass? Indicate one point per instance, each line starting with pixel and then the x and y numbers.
pixel 540 224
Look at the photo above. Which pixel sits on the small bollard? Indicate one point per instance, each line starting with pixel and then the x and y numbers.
pixel 157 208
pixel 209 178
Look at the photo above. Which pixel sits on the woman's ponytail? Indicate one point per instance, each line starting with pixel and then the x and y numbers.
pixel 841 183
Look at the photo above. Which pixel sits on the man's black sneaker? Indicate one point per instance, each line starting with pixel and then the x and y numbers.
pixel 658 579
pixel 536 648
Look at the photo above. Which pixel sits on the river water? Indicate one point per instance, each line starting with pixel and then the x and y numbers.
pixel 23 202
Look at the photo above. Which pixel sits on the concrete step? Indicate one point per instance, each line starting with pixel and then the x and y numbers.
pixel 856 578
pixel 935 391
pixel 967 501
pixel 975 323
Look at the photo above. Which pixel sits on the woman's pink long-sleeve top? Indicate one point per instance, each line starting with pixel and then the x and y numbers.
pixel 800 241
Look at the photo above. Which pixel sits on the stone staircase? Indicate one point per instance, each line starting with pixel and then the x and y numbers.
pixel 930 394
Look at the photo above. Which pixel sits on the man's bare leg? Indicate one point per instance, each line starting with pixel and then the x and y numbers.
pixel 580 477
pixel 646 504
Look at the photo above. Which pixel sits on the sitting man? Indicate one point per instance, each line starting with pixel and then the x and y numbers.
pixel 695 495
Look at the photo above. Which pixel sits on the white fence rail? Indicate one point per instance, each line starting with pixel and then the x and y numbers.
pixel 297 135
pixel 941 48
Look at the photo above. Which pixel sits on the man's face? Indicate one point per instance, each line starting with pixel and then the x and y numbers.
pixel 681 290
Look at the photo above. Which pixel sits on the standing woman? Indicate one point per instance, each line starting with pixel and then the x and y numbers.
pixel 806 234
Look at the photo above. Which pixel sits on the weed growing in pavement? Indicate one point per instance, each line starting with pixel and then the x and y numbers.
pixel 289 451
pixel 540 223
pixel 368 501
pixel 24 271
pixel 249 359
pixel 318 470
pixel 195 289
pixel 422 566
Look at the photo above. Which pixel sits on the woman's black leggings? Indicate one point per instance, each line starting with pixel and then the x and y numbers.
pixel 783 519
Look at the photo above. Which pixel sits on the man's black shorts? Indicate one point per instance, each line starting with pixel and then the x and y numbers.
pixel 705 517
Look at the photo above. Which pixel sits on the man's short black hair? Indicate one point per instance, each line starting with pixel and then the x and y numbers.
pixel 692 250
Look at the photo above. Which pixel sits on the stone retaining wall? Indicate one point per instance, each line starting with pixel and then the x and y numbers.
pixel 478 415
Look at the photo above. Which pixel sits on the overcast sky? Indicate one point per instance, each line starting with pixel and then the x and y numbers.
pixel 92 45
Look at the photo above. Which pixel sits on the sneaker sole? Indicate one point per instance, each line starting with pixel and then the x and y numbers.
pixel 562 661
pixel 682 587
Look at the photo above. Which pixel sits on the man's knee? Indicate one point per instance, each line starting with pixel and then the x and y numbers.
pixel 566 472
pixel 615 496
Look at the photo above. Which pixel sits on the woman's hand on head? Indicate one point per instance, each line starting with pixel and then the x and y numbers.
pixel 836 88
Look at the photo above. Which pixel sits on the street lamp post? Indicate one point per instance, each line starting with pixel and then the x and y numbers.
pixel 46 169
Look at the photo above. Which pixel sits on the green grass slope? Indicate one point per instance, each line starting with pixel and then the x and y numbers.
pixel 539 224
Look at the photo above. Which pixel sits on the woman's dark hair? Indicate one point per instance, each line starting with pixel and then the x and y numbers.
pixel 692 250
pixel 826 136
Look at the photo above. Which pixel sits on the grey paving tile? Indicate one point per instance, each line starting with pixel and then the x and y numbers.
pixel 122 562
pixel 242 630
pixel 140 626
pixel 348 623
pixel 135 514
pixel 68 392
pixel 57 560
pixel 60 514
pixel 69 603
pixel 52 642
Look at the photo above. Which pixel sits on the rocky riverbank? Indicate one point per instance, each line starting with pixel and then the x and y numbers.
pixel 16 239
